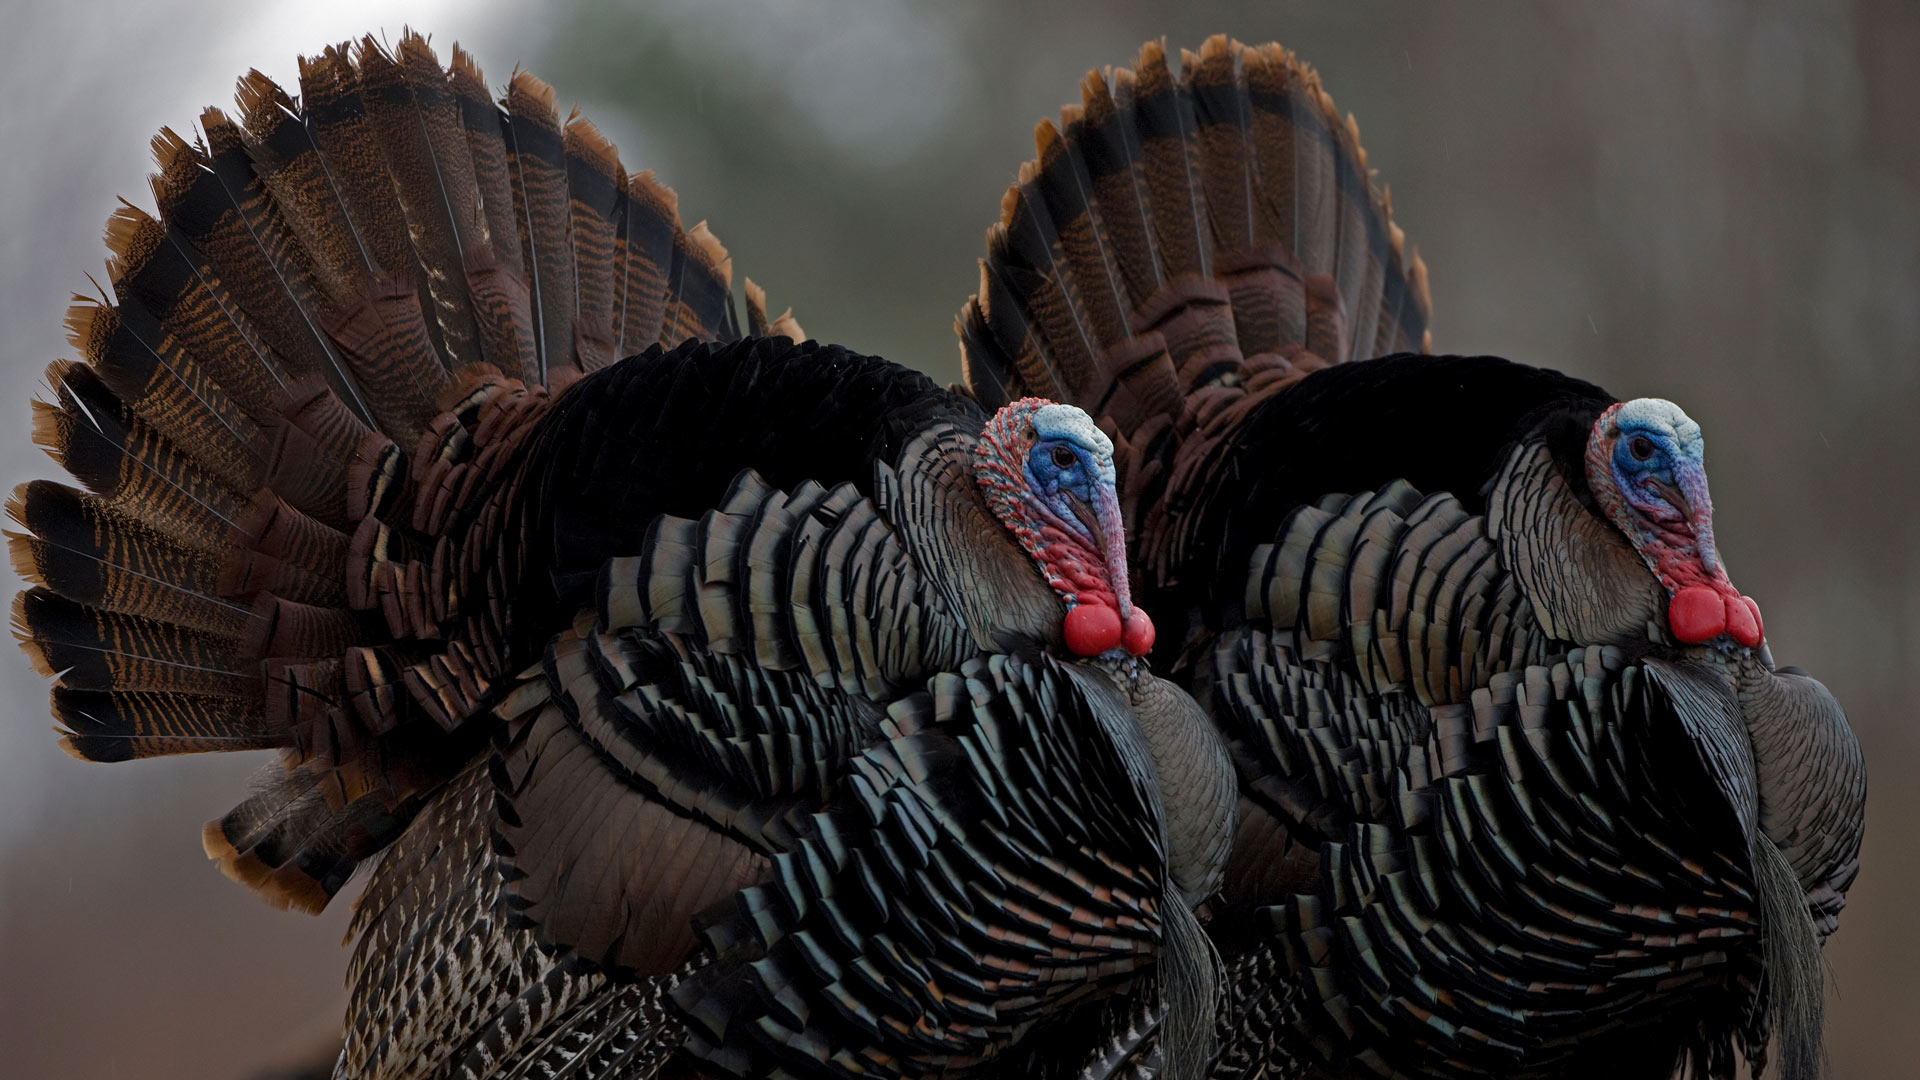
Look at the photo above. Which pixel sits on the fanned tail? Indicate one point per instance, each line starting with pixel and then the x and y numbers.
pixel 291 424
pixel 1182 248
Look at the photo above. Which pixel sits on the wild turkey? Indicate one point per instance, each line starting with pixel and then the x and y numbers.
pixel 757 703
pixel 1522 792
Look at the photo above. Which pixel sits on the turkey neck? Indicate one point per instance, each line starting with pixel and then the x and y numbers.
pixel 1584 581
pixel 980 571
pixel 1812 779
pixel 1198 790
pixel 1189 775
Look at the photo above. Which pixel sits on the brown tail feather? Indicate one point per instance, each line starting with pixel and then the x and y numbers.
pixel 327 176
pixel 536 159
pixel 252 253
pixel 293 461
pixel 90 649
pixel 412 114
pixel 653 209
pixel 123 725
pixel 322 179
pixel 496 279
pixel 1182 248
pixel 81 547
pixel 116 456
pixel 699 305
pixel 598 196
pixel 757 323
pixel 1222 115
pixel 151 270
pixel 1110 147
pixel 1026 243
pixel 493 183
pixel 1169 149
pixel 291 843
pixel 148 371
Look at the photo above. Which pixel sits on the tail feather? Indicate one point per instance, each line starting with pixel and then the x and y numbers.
pixel 536 158
pixel 598 192
pixel 699 305
pixel 1071 201
pixel 124 725
pixel 411 111
pixel 1272 79
pixel 1400 294
pixel 330 183
pixel 1168 147
pixel 1262 279
pixel 1002 357
pixel 653 211
pixel 310 443
pixel 1313 166
pixel 1363 248
pixel 286 553
pixel 1182 248
pixel 486 147
pixel 758 325
pixel 148 371
pixel 118 457
pixel 293 425
pixel 81 547
pixel 252 254
pixel 322 172
pixel 154 268
pixel 243 164
pixel 1024 246
pixel 496 279
pixel 1223 114
pixel 292 845
pixel 1110 149
pixel 90 649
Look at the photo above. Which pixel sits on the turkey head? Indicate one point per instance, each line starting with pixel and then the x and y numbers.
pixel 1047 473
pixel 1646 462
pixel 1604 515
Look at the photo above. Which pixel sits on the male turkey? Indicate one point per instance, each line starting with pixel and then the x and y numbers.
pixel 1521 790
pixel 740 706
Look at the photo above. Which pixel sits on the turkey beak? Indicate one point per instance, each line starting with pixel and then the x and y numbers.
pixel 1689 495
pixel 1102 522
pixel 1674 497
pixel 1089 519
pixel 1113 545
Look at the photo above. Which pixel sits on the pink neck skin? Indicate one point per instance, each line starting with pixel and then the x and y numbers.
pixel 1079 573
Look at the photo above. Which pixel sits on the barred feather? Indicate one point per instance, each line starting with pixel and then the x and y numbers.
pixel 247 414
pixel 1183 248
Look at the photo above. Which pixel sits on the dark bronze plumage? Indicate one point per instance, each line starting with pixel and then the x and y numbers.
pixel 1494 818
pixel 690 714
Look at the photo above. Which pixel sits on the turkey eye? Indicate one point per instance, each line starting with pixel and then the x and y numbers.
pixel 1063 457
pixel 1641 448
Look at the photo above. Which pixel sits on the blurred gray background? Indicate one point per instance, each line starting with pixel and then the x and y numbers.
pixel 1715 202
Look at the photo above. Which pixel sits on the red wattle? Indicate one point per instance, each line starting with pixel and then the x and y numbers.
pixel 1743 620
pixel 1137 638
pixel 1092 629
pixel 1697 614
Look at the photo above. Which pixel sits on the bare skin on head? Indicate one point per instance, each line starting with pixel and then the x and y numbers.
pixel 1646 462
pixel 1047 473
